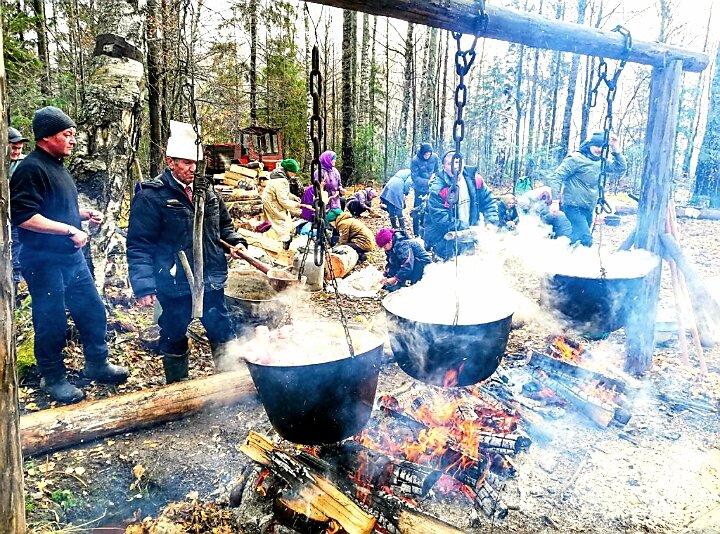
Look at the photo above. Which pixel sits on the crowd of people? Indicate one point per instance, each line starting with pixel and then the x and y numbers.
pixel 451 200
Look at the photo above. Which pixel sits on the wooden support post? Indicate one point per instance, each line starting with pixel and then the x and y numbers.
pixel 525 28
pixel 656 186
pixel 12 502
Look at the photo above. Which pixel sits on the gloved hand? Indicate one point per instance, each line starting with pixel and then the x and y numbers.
pixel 201 182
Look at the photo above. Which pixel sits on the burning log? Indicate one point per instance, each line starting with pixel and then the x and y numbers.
pixel 56 428
pixel 308 486
pixel 572 372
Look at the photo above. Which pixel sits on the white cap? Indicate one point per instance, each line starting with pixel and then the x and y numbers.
pixel 181 143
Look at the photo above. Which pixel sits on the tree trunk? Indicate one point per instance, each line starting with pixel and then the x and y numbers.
pixel 443 97
pixel 42 46
pixel 572 82
pixel 253 8
pixel 707 175
pixel 407 92
pixel 348 112
pixel 652 209
pixel 154 82
pixel 519 114
pixel 373 75
pixel 12 501
pixel 387 98
pixel 364 86
pixel 427 118
pixel 57 428
pixel 110 128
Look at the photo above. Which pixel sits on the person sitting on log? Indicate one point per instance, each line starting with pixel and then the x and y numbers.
pixel 577 179
pixel 537 202
pixel 392 197
pixel 406 258
pixel 278 203
pixel 361 201
pixel 446 216
pixel 352 232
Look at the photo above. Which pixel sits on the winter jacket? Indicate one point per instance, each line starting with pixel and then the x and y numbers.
pixel 354 231
pixel 440 216
pixel 363 198
pixel 278 203
pixel 161 225
pixel 404 256
pixel 333 184
pixel 421 170
pixel 577 177
pixel 396 188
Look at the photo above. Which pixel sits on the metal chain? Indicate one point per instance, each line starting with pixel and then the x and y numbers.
pixel 321 249
pixel 464 60
pixel 611 82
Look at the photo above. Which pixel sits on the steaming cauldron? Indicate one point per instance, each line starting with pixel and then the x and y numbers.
pixel 445 354
pixel 251 301
pixel 319 403
pixel 593 306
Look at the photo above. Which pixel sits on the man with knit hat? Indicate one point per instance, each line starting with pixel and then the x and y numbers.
pixel 406 258
pixel 577 179
pixel 44 205
pixel 423 167
pixel 278 203
pixel 161 226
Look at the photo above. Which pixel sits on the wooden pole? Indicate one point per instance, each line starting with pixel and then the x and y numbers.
pixel 652 209
pixel 56 428
pixel 12 501
pixel 678 294
pixel 529 29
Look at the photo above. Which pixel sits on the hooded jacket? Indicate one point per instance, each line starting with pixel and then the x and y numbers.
pixel 404 255
pixel 161 225
pixel 364 198
pixel 577 177
pixel 422 169
pixel 278 202
pixel 354 231
pixel 333 184
pixel 440 216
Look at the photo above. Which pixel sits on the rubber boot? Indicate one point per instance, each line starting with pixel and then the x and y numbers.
pixel 222 357
pixel 104 372
pixel 175 366
pixel 61 390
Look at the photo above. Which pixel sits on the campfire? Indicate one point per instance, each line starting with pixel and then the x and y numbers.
pixel 428 444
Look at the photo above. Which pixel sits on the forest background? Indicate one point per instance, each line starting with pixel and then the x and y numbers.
pixel 388 86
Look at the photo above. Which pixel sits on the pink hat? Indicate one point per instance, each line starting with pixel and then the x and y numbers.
pixel 383 237
pixel 372 194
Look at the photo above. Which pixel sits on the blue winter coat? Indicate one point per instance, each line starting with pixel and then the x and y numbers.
pixel 405 255
pixel 440 216
pixel 421 170
pixel 397 187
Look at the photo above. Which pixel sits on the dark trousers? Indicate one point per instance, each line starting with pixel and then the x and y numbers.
pixel 177 314
pixel 15 251
pixel 418 214
pixel 415 276
pixel 355 208
pixel 396 215
pixel 362 255
pixel 57 282
pixel 580 219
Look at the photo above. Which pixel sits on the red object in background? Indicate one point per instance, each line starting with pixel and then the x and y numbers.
pixel 255 143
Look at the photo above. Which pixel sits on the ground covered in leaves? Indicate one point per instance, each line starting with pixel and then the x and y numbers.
pixel 660 473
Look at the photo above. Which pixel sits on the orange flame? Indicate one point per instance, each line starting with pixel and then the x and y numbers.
pixel 333 527
pixel 566 350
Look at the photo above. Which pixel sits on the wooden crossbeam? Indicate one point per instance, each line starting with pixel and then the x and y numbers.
pixel 530 29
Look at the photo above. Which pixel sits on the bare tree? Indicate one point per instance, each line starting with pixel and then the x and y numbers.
pixel 572 83
pixel 348 112
pixel 407 90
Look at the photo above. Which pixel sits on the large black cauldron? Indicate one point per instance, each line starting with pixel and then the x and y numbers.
pixel 319 403
pixel 445 354
pixel 593 306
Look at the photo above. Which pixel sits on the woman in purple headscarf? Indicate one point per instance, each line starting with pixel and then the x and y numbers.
pixel 333 185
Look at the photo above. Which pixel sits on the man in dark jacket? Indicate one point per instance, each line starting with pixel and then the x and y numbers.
pixel 423 167
pixel 406 258
pixel 161 226
pixel 453 209
pixel 44 206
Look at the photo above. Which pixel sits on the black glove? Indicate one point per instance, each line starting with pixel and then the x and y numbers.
pixel 201 182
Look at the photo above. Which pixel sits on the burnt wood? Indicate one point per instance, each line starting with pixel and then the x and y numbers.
pixel 665 86
pixel 529 29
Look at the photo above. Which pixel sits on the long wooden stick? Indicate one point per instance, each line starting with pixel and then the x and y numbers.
pixel 677 293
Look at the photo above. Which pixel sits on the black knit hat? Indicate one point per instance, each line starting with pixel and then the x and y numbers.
pixel 50 120
pixel 597 138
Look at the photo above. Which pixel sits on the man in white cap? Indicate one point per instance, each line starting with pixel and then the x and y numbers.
pixel 161 225
pixel 44 206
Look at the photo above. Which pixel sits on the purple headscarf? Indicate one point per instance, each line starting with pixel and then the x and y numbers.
pixel 332 178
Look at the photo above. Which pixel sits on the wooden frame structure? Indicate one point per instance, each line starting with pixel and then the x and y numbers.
pixel 667 62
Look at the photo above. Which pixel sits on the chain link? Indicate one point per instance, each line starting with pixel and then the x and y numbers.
pixel 611 82
pixel 320 249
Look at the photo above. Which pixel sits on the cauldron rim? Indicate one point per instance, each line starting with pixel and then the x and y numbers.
pixel 598 278
pixel 388 298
